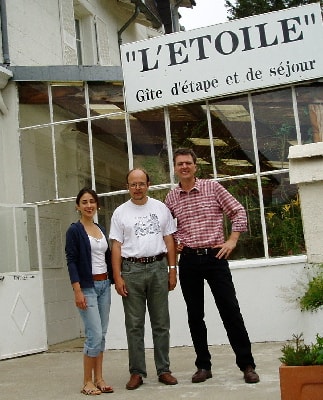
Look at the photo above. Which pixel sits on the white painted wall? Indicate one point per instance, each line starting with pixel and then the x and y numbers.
pixel 263 293
pixel 41 32
pixel 306 170
pixel 34 32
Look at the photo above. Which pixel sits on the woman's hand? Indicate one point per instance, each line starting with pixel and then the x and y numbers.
pixel 80 299
pixel 121 286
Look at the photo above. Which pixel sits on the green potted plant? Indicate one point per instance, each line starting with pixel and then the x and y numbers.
pixel 301 372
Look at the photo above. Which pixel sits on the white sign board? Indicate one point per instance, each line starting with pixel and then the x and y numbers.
pixel 266 50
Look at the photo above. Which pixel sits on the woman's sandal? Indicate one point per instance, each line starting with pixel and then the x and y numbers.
pixel 101 385
pixel 90 391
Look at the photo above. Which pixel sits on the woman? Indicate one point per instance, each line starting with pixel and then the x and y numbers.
pixel 89 265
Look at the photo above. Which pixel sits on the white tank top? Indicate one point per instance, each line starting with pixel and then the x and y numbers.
pixel 98 249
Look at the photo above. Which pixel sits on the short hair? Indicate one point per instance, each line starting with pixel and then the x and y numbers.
pixel 137 169
pixel 184 151
pixel 87 190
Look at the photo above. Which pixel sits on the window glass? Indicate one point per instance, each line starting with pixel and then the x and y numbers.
pixel 250 243
pixel 78 41
pixel 275 128
pixel 310 112
pixel 232 136
pixel 149 144
pixel 59 159
pixel 27 240
pixel 7 245
pixel 106 98
pixel 37 164
pixel 158 194
pixel 73 167
pixel 18 247
pixel 107 206
pixel 189 129
pixel 109 135
pixel 283 216
pixel 33 103
pixel 68 101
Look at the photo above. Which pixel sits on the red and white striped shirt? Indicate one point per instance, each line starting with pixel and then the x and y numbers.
pixel 200 211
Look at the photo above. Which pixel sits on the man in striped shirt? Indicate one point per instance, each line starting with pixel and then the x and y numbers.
pixel 199 206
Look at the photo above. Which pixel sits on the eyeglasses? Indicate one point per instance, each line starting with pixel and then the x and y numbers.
pixel 140 185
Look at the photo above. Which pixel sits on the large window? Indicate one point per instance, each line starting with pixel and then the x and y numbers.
pixel 79 135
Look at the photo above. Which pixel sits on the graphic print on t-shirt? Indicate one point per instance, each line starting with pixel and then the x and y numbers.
pixel 148 225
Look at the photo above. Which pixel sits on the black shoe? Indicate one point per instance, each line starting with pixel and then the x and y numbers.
pixel 201 375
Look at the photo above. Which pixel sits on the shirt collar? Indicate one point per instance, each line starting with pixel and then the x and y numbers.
pixel 195 187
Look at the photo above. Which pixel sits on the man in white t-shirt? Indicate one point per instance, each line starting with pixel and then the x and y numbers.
pixel 144 270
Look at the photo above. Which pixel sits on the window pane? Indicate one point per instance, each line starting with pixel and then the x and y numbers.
pixel 189 129
pixel 107 206
pixel 37 165
pixel 20 225
pixel 149 144
pixel 78 41
pixel 158 194
pixel 110 153
pixel 283 218
pixel 310 112
pixel 275 128
pixel 105 98
pixel 232 137
pixel 72 158
pixel 26 239
pixel 68 101
pixel 250 244
pixel 33 103
pixel 7 245
pixel 110 148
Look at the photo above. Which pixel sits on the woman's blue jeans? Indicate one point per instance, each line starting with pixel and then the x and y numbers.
pixel 96 317
pixel 147 284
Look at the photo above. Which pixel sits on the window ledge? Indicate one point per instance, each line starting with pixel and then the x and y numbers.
pixel 266 262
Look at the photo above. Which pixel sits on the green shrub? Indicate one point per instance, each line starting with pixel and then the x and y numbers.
pixel 312 299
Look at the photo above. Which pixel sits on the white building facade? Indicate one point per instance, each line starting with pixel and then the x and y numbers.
pixel 63 126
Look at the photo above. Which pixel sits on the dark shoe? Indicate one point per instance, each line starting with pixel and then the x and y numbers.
pixel 167 378
pixel 201 375
pixel 250 375
pixel 134 382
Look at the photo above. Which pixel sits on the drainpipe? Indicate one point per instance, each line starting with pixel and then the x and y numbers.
pixel 125 26
pixel 175 18
pixel 5 74
pixel 4 32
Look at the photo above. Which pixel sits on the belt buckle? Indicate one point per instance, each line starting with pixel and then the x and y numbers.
pixel 201 252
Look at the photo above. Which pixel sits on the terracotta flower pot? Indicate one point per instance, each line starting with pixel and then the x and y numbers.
pixel 301 382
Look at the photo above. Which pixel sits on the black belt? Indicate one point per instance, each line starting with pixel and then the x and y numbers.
pixel 145 260
pixel 200 251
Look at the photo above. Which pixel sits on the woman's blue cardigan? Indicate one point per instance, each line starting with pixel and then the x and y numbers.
pixel 78 255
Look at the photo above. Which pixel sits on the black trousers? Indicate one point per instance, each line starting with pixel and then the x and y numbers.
pixel 193 271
